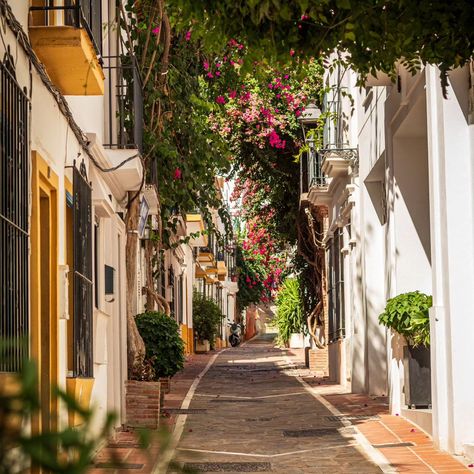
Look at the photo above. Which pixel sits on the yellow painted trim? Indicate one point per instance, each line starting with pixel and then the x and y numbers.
pixel 183 331
pixel 191 339
pixel 67 185
pixel 81 390
pixel 69 57
pixel 44 183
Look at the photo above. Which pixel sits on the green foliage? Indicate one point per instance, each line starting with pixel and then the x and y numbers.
pixel 164 346
pixel 374 33
pixel 182 154
pixel 207 317
pixel 289 316
pixel 408 315
pixel 67 451
pixel 252 273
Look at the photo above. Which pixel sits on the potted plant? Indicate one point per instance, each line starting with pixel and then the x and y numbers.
pixel 289 314
pixel 407 314
pixel 207 319
pixel 164 346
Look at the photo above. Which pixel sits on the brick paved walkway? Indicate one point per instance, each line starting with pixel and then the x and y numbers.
pixel 250 413
pixel 259 410
pixel 124 447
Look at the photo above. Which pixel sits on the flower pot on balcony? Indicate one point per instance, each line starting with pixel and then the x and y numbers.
pixel 417 370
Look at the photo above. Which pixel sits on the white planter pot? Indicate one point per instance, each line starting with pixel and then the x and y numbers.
pixel 203 346
pixel 296 341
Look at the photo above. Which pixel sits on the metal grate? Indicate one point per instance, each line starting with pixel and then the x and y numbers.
pixel 352 417
pixel 83 363
pixel 311 433
pixel 240 400
pixel 119 465
pixel 14 184
pixel 229 466
pixel 184 411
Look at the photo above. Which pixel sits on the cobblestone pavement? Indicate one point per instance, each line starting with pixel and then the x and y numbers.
pixel 251 414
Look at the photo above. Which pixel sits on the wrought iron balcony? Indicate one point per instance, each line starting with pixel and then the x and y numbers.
pixel 311 171
pixel 67 37
pixel 124 103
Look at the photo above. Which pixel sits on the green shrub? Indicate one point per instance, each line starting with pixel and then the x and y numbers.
pixel 164 346
pixel 407 314
pixel 207 317
pixel 289 315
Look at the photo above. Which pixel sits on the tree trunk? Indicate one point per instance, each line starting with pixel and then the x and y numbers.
pixel 136 346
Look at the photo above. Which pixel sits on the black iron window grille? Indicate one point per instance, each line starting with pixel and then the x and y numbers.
pixel 171 284
pixel 14 202
pixel 124 103
pixel 85 14
pixel 181 301
pixel 336 287
pixel 82 274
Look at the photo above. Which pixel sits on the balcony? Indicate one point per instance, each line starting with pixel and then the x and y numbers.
pixel 208 252
pixel 194 224
pixel 124 101
pixel 67 40
pixel 337 162
pixel 313 179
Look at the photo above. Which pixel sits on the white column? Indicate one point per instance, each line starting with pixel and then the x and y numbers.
pixel 452 252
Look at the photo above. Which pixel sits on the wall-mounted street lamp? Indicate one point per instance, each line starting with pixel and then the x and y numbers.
pixel 309 118
pixel 310 172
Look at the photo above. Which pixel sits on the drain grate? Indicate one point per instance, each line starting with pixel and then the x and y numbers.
pixel 352 417
pixel 312 433
pixel 111 465
pixel 233 400
pixel 258 419
pixel 123 445
pixel 184 411
pixel 393 445
pixel 229 466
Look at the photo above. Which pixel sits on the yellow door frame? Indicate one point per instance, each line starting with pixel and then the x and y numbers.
pixel 44 324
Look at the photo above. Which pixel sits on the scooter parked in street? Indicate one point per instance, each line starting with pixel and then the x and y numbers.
pixel 235 336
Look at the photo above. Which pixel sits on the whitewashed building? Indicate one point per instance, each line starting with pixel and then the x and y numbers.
pixel 395 177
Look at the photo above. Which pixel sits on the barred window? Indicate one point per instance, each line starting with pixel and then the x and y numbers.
pixel 14 208
pixel 82 275
pixel 335 284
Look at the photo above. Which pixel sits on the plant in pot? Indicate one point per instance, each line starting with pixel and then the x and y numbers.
pixel 289 315
pixel 407 314
pixel 207 319
pixel 163 343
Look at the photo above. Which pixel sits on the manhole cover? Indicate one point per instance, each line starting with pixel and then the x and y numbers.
pixel 393 445
pixel 240 400
pixel 110 465
pixel 311 433
pixel 352 417
pixel 184 411
pixel 229 466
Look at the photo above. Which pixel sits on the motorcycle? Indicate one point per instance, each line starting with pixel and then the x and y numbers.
pixel 235 334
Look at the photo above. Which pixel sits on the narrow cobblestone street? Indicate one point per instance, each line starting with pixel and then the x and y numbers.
pixel 251 414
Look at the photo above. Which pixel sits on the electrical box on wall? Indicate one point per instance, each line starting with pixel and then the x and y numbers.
pixel 109 282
